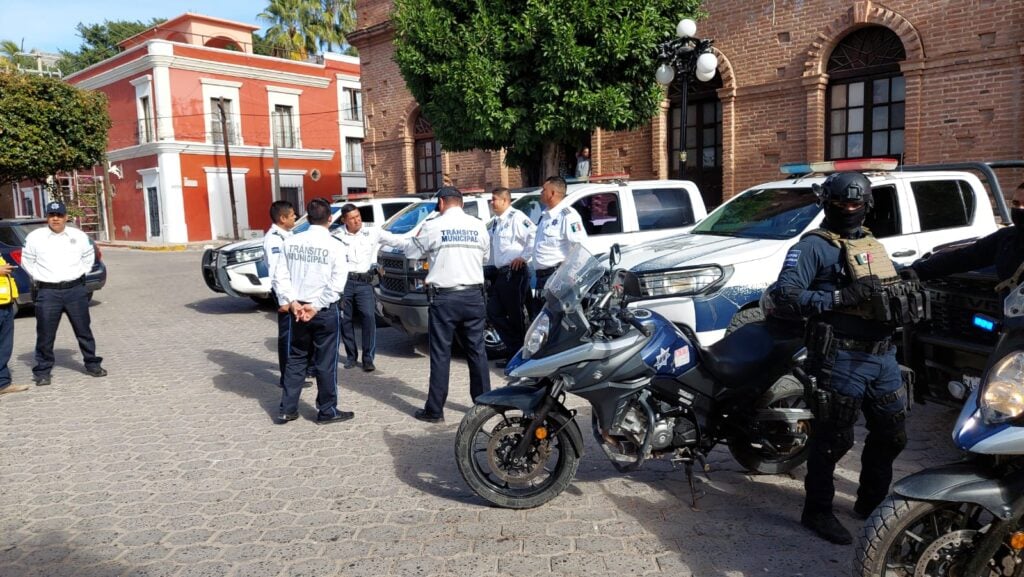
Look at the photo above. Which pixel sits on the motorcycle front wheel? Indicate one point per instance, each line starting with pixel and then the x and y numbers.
pixel 484 447
pixel 780 446
pixel 906 538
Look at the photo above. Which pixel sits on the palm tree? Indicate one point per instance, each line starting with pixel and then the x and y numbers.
pixel 300 27
pixel 11 55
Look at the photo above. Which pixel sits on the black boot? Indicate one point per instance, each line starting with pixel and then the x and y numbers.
pixel 827 527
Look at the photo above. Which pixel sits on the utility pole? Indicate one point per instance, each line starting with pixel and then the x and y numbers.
pixel 277 168
pixel 227 163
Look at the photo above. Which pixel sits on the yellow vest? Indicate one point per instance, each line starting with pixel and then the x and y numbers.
pixel 8 288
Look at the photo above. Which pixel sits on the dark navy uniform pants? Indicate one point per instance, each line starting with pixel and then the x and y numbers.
pixel 320 336
pixel 359 299
pixel 505 302
pixel 860 381
pixel 462 314
pixel 50 305
pixel 284 327
pixel 6 343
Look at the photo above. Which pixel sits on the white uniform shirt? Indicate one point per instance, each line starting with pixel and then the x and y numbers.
pixel 456 244
pixel 273 245
pixel 313 269
pixel 361 247
pixel 557 231
pixel 510 234
pixel 52 257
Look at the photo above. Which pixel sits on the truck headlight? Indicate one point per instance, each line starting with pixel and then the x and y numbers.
pixel 1002 395
pixel 681 282
pixel 419 265
pixel 248 254
pixel 537 335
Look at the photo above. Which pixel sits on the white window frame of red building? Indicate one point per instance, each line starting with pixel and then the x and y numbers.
pixel 228 90
pixel 285 97
pixel 290 178
pixel 145 127
pixel 353 152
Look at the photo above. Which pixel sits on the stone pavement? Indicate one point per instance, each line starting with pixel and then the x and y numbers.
pixel 172 466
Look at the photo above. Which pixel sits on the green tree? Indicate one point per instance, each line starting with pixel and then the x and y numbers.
pixel 11 56
pixel 300 27
pixel 530 75
pixel 99 42
pixel 47 126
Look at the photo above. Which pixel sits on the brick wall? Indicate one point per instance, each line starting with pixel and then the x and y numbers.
pixel 964 74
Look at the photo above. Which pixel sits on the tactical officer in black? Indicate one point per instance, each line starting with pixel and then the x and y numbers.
pixel 1003 248
pixel 835 277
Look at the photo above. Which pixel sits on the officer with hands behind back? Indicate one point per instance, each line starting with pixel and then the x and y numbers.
pixel 282 218
pixel 559 228
pixel 361 246
pixel 838 277
pixel 310 281
pixel 511 232
pixel 57 258
pixel 456 245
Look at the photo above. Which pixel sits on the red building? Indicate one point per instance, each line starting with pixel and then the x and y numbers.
pixel 179 90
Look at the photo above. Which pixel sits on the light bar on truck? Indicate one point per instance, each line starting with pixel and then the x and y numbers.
pixel 608 177
pixel 829 166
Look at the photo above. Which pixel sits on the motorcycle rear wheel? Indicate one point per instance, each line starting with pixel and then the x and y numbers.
pixel 787 392
pixel 907 538
pixel 484 442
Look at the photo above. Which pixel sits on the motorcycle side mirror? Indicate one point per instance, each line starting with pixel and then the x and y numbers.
pixel 615 255
pixel 627 283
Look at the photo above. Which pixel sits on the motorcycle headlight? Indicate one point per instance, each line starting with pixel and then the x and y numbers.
pixel 684 282
pixel 1002 396
pixel 249 254
pixel 537 335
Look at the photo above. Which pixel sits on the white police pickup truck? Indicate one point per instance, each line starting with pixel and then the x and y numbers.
pixel 239 269
pixel 712 278
pixel 616 211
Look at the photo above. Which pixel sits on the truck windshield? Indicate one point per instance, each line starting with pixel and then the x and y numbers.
pixel 303 223
pixel 410 217
pixel 769 213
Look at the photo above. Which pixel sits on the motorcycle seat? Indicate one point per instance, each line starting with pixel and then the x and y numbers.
pixel 748 354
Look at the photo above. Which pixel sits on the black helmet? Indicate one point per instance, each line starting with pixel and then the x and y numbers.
pixel 845 188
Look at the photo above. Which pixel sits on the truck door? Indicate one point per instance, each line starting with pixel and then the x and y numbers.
pixel 886 222
pixel 944 211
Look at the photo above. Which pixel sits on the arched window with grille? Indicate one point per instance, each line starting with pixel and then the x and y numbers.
pixel 427 155
pixel 866 96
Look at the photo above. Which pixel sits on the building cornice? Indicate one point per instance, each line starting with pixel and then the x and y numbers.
pixel 204 149
pixel 370 34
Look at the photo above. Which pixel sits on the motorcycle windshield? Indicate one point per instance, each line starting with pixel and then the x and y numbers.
pixel 574 278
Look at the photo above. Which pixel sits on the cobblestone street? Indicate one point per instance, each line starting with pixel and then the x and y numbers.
pixel 172 466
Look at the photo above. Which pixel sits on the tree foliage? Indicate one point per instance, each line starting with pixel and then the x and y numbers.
pixel 99 42
pixel 522 74
pixel 300 27
pixel 47 126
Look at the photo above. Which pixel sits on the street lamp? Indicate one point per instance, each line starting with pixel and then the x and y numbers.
pixel 687 57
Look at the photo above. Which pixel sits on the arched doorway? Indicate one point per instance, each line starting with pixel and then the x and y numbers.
pixel 426 155
pixel 866 102
pixel 703 137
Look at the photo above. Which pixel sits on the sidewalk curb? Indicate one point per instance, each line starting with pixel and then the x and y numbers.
pixel 151 248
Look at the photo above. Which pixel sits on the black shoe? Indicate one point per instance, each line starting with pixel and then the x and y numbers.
pixel 96 371
pixel 338 417
pixel 43 381
pixel 426 417
pixel 501 364
pixel 368 367
pixel 286 418
pixel 349 364
pixel 827 527
pixel 862 511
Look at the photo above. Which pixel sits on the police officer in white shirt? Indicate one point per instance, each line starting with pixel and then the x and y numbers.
pixel 559 228
pixel 456 245
pixel 310 280
pixel 511 232
pixel 361 246
pixel 282 217
pixel 57 258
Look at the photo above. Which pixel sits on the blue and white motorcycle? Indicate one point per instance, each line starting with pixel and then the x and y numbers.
pixel 963 519
pixel 654 393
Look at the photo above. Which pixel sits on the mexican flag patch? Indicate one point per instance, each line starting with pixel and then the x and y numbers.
pixel 576 227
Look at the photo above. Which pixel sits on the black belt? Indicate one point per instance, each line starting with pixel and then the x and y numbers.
pixel 61 285
pixel 457 288
pixel 360 276
pixel 874 347
pixel 546 272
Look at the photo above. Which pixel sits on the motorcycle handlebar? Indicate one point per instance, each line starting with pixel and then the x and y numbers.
pixel 631 319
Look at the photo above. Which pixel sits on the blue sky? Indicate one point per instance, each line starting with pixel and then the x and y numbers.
pixel 49 25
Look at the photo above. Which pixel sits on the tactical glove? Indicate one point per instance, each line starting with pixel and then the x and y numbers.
pixel 859 291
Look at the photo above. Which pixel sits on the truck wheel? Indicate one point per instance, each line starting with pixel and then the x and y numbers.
pixel 263 302
pixel 745 316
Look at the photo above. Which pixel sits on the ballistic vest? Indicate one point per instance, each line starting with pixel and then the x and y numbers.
pixel 899 301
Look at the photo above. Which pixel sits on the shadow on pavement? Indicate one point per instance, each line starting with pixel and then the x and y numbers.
pixel 223 305
pixel 62 359
pixel 425 463
pixel 248 377
pixel 389 391
pixel 59 554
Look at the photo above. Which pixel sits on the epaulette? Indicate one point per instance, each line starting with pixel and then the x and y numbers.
pixel 566 211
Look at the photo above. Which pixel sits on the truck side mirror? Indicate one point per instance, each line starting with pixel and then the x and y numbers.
pixel 615 255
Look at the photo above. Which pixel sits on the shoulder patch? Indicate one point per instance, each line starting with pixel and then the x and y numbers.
pixel 791 258
pixel 566 211
pixel 576 227
pixel 275 250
